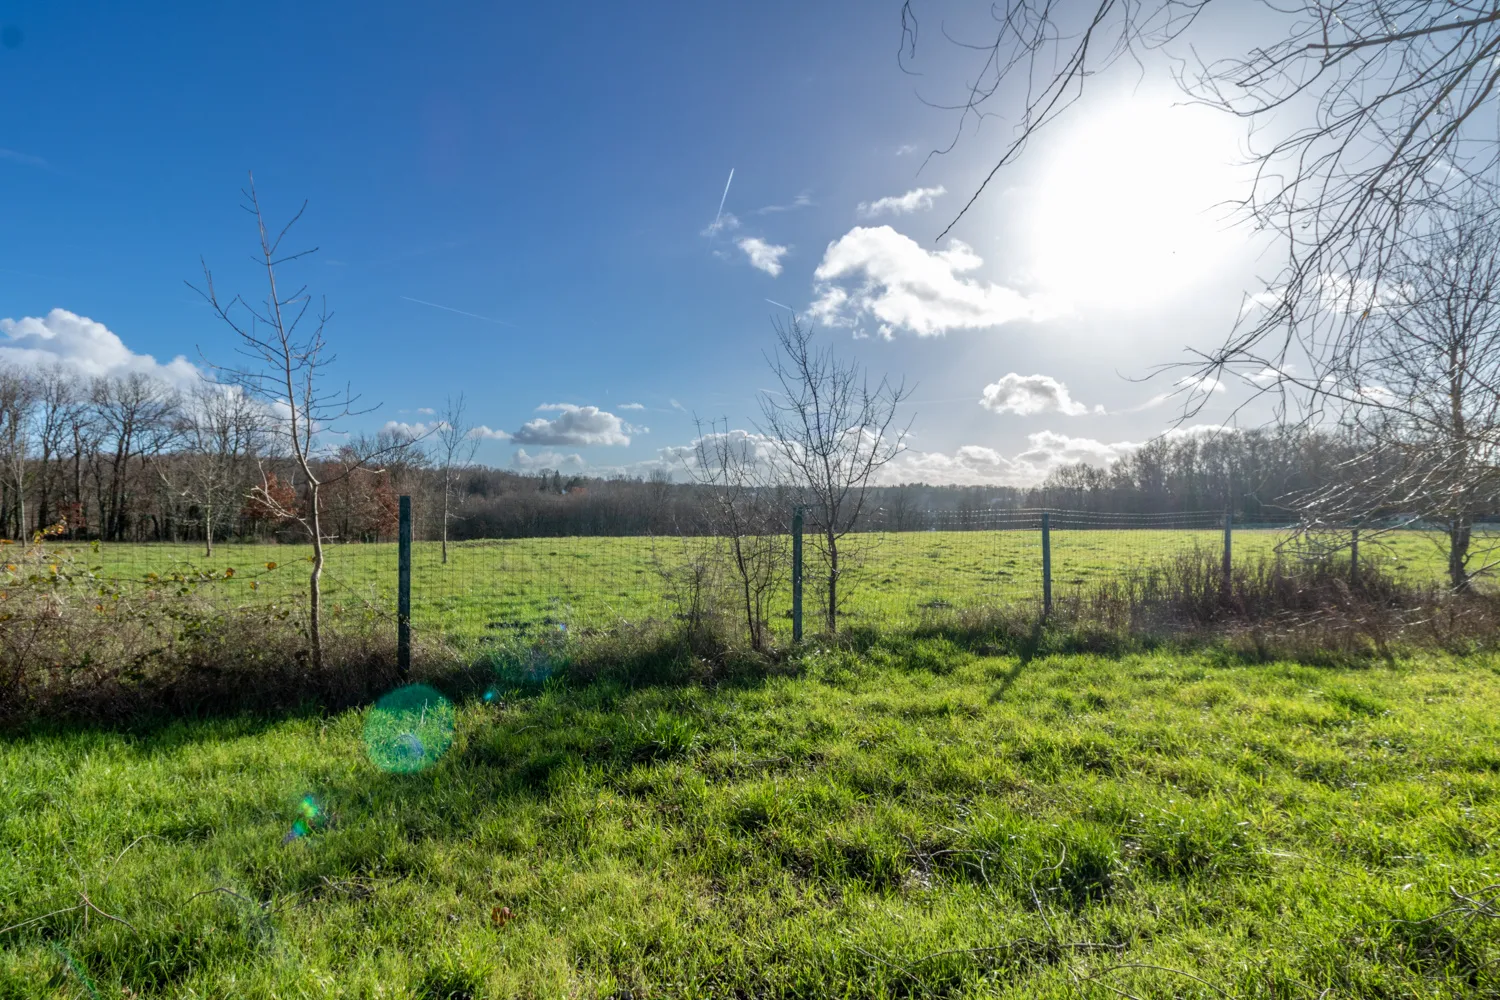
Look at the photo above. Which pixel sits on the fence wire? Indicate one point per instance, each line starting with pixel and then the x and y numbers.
pixel 902 565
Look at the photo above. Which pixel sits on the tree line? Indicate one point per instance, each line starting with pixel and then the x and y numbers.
pixel 131 458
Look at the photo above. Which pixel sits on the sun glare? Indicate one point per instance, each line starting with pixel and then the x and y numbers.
pixel 1129 208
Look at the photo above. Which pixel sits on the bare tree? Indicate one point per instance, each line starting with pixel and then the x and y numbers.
pixel 285 368
pixel 136 416
pixel 1397 97
pixel 223 430
pixel 455 445
pixel 741 510
pixel 1422 397
pixel 18 394
pixel 61 402
pixel 831 431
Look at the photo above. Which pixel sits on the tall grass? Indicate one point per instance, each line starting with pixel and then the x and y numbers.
pixel 78 646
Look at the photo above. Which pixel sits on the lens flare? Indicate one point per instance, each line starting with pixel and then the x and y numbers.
pixel 72 964
pixel 409 729
pixel 310 817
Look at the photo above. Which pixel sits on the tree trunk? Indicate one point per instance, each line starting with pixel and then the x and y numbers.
pixel 1458 554
pixel 314 593
pixel 833 584
pixel 208 532
pixel 446 490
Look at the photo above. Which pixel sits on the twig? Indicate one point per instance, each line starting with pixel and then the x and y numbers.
pixel 1156 968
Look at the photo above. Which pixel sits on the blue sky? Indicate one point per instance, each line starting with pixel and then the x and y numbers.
pixel 554 170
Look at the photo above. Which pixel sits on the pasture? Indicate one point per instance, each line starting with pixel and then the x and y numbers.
pixel 911 820
pixel 518 586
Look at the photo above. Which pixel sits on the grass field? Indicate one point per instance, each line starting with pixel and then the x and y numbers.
pixel 911 822
pixel 501 587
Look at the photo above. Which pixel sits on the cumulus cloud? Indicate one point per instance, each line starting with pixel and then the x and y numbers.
pixel 1049 449
pixel 877 273
pixel 550 460
pixel 763 255
pixel 1027 394
pixel 575 426
pixel 759 450
pixel 422 429
pixel 970 465
pixel 89 347
pixel 415 430
pixel 914 200
pixel 977 465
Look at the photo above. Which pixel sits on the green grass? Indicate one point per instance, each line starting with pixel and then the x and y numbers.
pixel 501 587
pixel 915 821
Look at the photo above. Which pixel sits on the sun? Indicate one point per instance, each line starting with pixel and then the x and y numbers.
pixel 1130 206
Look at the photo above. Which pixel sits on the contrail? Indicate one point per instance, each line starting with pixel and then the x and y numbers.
pixel 722 198
pixel 434 305
pixel 782 305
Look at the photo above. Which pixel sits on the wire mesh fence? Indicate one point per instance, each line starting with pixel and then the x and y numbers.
pixel 901 566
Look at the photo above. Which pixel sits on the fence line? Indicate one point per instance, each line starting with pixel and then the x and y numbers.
pixel 901 566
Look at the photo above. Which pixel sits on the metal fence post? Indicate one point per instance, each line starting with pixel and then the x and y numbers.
pixel 1354 556
pixel 403 589
pixel 1228 551
pixel 797 574
pixel 1046 564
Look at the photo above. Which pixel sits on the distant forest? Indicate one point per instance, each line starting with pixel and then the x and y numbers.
pixel 130 459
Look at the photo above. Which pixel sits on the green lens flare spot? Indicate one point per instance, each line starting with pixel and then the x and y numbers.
pixel 409 729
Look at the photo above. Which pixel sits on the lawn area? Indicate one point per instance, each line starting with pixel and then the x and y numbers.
pixel 913 821
pixel 501 587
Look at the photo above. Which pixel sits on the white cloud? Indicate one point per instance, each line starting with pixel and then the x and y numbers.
pixel 1267 375
pixel 577 426
pixel 903 204
pixel 84 345
pixel 422 429
pixel 905 149
pixel 802 200
pixel 760 449
pixel 1199 384
pixel 1027 394
pixel 970 465
pixel 726 221
pixel 632 406
pixel 415 430
pixel 551 460
pixel 1049 449
pixel 1199 431
pixel 977 465
pixel 889 277
pixel 763 255
pixel 426 410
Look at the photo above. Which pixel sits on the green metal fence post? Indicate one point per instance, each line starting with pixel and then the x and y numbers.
pixel 403 589
pixel 1225 585
pixel 1046 564
pixel 797 574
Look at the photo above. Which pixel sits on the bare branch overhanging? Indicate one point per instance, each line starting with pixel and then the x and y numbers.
pixel 1394 93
